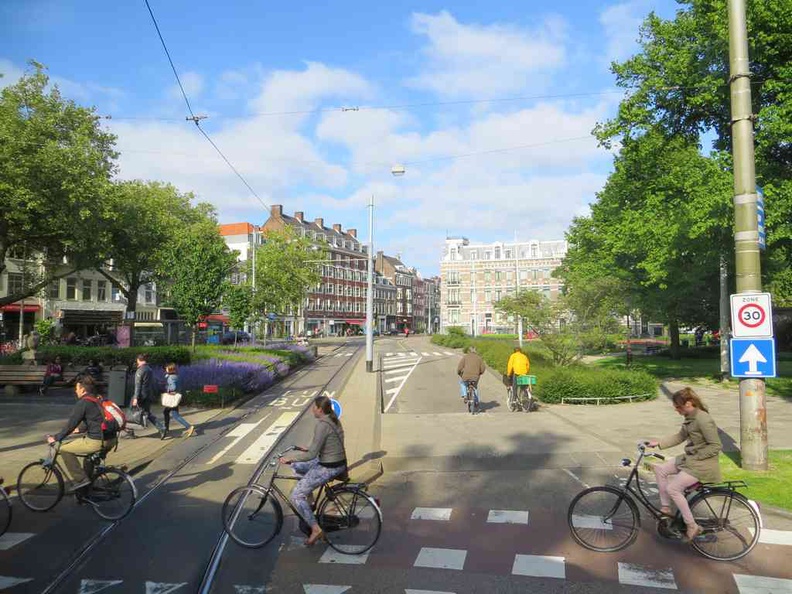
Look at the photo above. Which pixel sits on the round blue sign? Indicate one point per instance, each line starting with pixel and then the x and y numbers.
pixel 336 407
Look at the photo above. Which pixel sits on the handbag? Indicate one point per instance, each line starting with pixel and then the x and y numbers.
pixel 136 416
pixel 170 399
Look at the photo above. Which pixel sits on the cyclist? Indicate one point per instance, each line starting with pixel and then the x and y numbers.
pixel 471 367
pixel 85 423
pixel 319 463
pixel 518 365
pixel 699 463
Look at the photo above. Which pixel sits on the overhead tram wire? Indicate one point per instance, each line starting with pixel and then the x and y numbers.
pixel 197 119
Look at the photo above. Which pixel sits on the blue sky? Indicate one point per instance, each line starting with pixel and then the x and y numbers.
pixel 488 105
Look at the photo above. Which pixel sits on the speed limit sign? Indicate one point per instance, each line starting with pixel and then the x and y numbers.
pixel 752 315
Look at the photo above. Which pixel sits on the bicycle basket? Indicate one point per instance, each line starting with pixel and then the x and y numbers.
pixel 526 380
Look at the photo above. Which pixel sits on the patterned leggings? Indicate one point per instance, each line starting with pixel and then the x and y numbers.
pixel 313 475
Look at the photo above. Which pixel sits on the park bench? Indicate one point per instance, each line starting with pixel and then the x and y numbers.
pixel 14 377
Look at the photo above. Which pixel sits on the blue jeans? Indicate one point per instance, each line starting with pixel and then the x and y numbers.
pixel 463 391
pixel 173 413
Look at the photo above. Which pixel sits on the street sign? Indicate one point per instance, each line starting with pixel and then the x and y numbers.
pixel 272 317
pixel 760 216
pixel 753 357
pixel 752 315
pixel 336 407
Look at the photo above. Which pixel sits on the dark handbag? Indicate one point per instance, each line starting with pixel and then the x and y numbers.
pixel 137 416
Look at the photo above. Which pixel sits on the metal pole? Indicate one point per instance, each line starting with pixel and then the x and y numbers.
pixel 753 411
pixel 22 302
pixel 370 293
pixel 253 323
pixel 517 289
pixel 724 318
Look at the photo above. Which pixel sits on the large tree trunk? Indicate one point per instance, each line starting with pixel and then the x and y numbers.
pixel 673 331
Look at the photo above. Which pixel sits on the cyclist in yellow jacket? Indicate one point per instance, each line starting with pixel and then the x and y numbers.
pixel 518 365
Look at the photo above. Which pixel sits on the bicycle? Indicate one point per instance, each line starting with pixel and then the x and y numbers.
pixel 525 394
pixel 606 518
pixel 111 493
pixel 5 509
pixel 350 518
pixel 471 400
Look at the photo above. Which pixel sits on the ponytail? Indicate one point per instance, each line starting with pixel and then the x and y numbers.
pixel 684 395
pixel 324 403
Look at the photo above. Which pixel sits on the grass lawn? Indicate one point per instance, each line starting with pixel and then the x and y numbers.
pixel 770 487
pixel 702 370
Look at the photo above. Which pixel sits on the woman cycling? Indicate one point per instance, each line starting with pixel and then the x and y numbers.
pixel 322 461
pixel 699 463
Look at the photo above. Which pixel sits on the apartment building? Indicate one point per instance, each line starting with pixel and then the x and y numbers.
pixel 476 276
pixel 384 304
pixel 403 278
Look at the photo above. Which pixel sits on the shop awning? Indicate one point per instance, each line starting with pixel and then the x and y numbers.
pixel 91 316
pixel 358 322
pixel 13 307
pixel 217 318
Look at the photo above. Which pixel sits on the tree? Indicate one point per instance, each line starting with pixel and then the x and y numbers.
pixel 287 267
pixel 239 301
pixel 678 86
pixel 198 265
pixel 55 166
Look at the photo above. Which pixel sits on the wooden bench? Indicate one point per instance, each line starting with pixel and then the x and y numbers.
pixel 15 376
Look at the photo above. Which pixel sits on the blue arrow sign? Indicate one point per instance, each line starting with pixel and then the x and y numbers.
pixel 753 357
pixel 336 407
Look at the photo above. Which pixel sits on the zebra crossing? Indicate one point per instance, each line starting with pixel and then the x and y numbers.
pixel 396 369
pixel 425 354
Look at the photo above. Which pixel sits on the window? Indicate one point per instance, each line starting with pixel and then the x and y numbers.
pixel 115 294
pixel 507 254
pixel 15 284
pixel 474 255
pixel 487 296
pixel 498 276
pixel 86 290
pixel 498 295
pixel 534 250
pixel 54 289
pixel 497 253
pixel 71 288
pixel 149 293
pixel 487 255
pixel 487 276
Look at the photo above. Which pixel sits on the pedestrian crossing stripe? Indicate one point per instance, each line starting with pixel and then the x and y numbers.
pixel 12 539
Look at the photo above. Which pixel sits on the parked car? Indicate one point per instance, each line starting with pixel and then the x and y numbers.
pixel 234 336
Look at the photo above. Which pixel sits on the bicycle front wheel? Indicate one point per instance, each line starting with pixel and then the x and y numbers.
pixel 40 486
pixel 731 525
pixel 603 519
pixel 511 400
pixel 252 516
pixel 112 494
pixel 5 511
pixel 351 520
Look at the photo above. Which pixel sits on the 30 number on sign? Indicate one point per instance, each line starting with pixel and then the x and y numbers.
pixel 752 315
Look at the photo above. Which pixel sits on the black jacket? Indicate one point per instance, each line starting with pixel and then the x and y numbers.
pixel 86 415
pixel 144 384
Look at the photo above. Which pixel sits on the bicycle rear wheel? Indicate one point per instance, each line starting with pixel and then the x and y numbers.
pixel 112 494
pixel 40 486
pixel 471 399
pixel 511 400
pixel 731 525
pixel 603 519
pixel 351 520
pixel 527 400
pixel 252 516
pixel 5 510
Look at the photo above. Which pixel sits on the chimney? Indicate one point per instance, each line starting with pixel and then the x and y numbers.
pixel 277 210
pixel 319 222
pixel 299 216
pixel 352 232
pixel 337 227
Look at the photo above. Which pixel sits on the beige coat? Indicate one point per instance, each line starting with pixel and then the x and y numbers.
pixel 470 367
pixel 702 448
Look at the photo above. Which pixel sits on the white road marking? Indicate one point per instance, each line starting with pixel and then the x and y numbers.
pixel 348 354
pixel 777 537
pixel 594 522
pixel 324 589
pixel 632 574
pixel 239 432
pixel 395 379
pixel 759 584
pixel 92 586
pixel 539 566
pixel 441 558
pixel 333 556
pixel 574 476
pixel 262 445
pixel 162 587
pixel 441 514
pixel 449 354
pixel 12 539
pixel 438 354
pixel 426 592
pixel 9 582
pixel 395 368
pixel 401 385
pixel 249 589
pixel 498 516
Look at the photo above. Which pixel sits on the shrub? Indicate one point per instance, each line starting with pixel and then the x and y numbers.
pixel 583 382
pixel 456 331
pixel 79 356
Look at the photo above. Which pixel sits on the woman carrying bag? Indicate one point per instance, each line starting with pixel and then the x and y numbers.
pixel 171 399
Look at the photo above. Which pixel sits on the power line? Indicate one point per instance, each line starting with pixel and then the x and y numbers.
pixel 196 119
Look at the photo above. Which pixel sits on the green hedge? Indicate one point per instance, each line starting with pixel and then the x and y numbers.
pixel 79 356
pixel 582 382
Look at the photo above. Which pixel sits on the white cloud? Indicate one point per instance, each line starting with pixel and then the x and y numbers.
pixel 11 74
pixel 485 60
pixel 193 84
pixel 621 23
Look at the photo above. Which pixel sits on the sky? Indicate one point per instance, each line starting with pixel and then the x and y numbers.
pixel 489 106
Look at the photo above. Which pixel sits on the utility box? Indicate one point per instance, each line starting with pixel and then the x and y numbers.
pixel 117 385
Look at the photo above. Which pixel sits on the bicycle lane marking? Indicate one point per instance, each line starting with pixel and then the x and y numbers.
pixel 239 433
pixel 262 445
pixel 396 391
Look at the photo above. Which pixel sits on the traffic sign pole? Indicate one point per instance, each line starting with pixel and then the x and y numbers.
pixel 753 407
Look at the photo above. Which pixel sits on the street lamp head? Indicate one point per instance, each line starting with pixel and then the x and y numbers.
pixel 398 170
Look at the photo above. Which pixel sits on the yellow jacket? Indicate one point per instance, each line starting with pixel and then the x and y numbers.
pixel 518 364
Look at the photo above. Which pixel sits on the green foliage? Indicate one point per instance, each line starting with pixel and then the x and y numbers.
pixel 239 301
pixel 79 356
pixel 46 329
pixel 453 341
pixel 55 167
pixel 455 331
pixel 581 382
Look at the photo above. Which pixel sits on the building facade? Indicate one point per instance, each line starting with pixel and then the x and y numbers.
pixel 476 276
pixel 403 278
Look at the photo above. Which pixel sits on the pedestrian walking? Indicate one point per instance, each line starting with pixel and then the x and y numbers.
pixel 172 396
pixel 145 391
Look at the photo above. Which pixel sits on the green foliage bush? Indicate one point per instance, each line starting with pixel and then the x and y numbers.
pixel 583 382
pixel 79 356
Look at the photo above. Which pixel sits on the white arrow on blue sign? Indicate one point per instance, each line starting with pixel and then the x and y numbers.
pixel 336 407
pixel 753 357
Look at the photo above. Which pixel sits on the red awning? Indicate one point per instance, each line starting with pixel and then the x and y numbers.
pixel 218 318
pixel 358 322
pixel 13 307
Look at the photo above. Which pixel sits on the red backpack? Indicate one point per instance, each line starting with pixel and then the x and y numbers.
pixel 113 418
